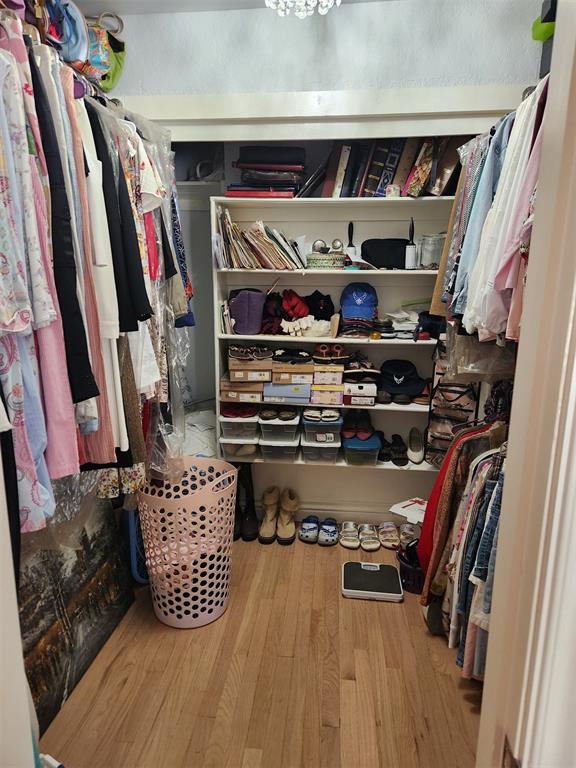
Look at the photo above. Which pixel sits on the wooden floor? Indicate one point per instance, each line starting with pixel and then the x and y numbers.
pixel 292 675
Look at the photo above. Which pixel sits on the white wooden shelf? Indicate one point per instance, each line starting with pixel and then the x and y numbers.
pixel 348 273
pixel 299 461
pixel 327 340
pixel 318 202
pixel 391 407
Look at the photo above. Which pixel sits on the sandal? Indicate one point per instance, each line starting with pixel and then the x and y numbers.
pixel 399 451
pixel 350 426
pixel 287 414
pixel 322 354
pixel 369 540
pixel 385 452
pixel 409 532
pixel 388 535
pixel 312 414
pixel 328 534
pixel 268 414
pixel 308 532
pixel 364 428
pixel 349 535
pixel 329 415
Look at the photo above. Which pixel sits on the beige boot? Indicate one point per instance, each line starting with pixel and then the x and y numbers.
pixel 270 498
pixel 289 505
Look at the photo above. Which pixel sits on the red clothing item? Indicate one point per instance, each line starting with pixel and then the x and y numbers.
pixel 152 246
pixel 426 543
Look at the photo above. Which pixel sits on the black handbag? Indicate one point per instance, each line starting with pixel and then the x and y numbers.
pixel 385 253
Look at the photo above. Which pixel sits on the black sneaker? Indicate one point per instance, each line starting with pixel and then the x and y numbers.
pixel 399 451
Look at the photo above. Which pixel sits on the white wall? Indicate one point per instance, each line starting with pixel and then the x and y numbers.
pixel 398 43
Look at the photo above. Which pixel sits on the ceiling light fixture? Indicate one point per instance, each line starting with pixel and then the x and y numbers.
pixel 301 8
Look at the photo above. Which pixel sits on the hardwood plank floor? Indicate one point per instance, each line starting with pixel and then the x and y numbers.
pixel 292 675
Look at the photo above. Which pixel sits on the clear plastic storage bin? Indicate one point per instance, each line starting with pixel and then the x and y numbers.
pixel 362 453
pixel 239 427
pixel 323 431
pixel 272 450
pixel 239 448
pixel 326 453
pixel 278 430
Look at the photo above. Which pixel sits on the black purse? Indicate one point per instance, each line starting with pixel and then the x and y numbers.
pixel 385 253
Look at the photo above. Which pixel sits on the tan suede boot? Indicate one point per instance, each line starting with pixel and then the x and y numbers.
pixel 289 505
pixel 270 498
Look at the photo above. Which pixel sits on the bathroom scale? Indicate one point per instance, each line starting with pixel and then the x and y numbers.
pixel 372 581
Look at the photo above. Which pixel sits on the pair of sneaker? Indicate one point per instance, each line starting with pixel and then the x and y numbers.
pixel 324 533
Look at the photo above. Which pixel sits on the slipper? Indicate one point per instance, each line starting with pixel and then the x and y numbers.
pixel 313 414
pixel 322 354
pixel 292 356
pixel 262 353
pixel 384 398
pixel 349 535
pixel 350 426
pixel 424 397
pixel 268 414
pixel 238 411
pixel 240 353
pixel 339 354
pixel 287 414
pixel 308 532
pixel 248 449
pixel 369 540
pixel 364 428
pixel 328 534
pixel 401 399
pixel 399 451
pixel 415 446
pixel 409 532
pixel 388 535
pixel 330 415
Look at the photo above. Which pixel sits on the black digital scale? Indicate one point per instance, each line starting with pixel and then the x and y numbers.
pixel 372 581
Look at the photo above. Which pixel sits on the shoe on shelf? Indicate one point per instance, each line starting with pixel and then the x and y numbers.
pixel 349 535
pixel 286 527
pixel 328 534
pixel 270 499
pixel 364 428
pixel 399 451
pixel 415 446
pixel 385 452
pixel 424 397
pixel 308 532
pixel 369 540
pixel 388 535
pixel 350 425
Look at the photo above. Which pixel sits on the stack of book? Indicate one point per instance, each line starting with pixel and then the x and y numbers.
pixel 269 171
pixel 258 247
pixel 415 166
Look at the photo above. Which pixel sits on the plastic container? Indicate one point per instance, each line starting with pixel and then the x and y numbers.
pixel 275 451
pixel 362 453
pixel 323 431
pixel 239 448
pixel 239 427
pixel 326 453
pixel 278 430
pixel 187 527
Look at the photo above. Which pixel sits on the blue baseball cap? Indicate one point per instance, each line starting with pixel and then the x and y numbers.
pixel 359 301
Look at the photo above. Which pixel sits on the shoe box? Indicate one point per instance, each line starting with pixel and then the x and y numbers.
pixel 328 374
pixel 360 393
pixel 298 373
pixel 240 392
pixel 327 394
pixel 249 370
pixel 288 394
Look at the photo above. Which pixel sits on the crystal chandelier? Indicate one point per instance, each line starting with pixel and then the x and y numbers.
pixel 301 8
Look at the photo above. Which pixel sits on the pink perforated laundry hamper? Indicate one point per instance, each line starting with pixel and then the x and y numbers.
pixel 187 527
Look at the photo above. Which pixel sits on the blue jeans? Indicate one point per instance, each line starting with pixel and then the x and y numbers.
pixel 490 578
pixel 487 540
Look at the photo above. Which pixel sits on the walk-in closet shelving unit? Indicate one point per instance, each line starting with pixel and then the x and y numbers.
pixel 328 219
